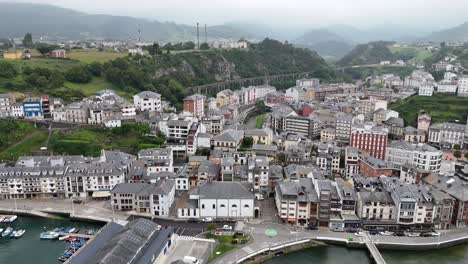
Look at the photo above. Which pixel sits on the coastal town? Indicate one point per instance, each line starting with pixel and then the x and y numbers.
pixel 315 156
pixel 221 132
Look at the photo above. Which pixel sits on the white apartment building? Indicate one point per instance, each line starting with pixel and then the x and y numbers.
pixel 448 87
pixel 17 110
pixel 463 86
pixel 426 90
pixel 147 101
pixel 128 110
pixel 447 134
pixel 6 103
pixel 152 198
pixel 420 155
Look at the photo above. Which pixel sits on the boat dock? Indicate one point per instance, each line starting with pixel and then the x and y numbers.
pixel 375 253
pixel 75 235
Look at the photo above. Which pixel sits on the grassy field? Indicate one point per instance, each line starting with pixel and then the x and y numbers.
pixel 260 120
pixel 20 138
pixel 89 141
pixel 89 56
pixel 417 52
pixel 442 108
pixel 94 86
pixel 53 64
pixel 32 142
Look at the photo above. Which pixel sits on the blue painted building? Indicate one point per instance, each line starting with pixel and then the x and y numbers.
pixel 32 108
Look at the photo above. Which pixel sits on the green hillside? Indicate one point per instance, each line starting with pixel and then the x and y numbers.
pixel 442 108
pixel 370 53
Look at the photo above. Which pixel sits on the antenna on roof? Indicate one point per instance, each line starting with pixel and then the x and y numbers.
pixel 198 35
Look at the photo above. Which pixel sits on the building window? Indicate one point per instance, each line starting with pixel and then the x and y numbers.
pixel 203 206
pixel 214 206
pixel 234 206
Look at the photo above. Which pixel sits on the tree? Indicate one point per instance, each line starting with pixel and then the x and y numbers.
pixel 28 41
pixel 56 79
pixel 45 48
pixel 457 154
pixel 7 70
pixel 95 68
pixel 204 46
pixel 78 74
pixel 247 142
pixel 456 146
pixel 189 45
pixel 154 49
pixel 42 82
pixel 211 227
pixel 466 155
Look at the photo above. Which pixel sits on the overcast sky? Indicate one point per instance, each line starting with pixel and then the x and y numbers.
pixel 303 13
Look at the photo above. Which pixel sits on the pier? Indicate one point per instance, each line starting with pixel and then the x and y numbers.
pixel 374 251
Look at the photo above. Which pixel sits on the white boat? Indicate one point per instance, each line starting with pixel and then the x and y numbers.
pixel 7 231
pixel 72 230
pixel 63 237
pixel 1 230
pixel 19 233
pixel 49 235
pixel 12 219
pixel 2 218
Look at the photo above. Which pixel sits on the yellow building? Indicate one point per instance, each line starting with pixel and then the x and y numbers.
pixel 309 94
pixel 12 55
pixel 327 134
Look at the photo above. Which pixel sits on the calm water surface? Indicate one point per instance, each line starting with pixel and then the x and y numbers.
pixel 29 248
pixel 343 255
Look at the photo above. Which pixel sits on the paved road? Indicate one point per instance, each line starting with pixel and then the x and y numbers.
pixel 287 235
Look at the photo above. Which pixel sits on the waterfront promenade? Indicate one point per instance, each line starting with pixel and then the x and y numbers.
pixel 99 211
pixel 287 236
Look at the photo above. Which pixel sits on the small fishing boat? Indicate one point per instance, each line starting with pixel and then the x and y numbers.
pixel 63 258
pixel 18 233
pixel 12 219
pixel 64 237
pixel 59 229
pixel 67 230
pixel 7 231
pixel 76 230
pixel 1 230
pixel 49 235
pixel 72 230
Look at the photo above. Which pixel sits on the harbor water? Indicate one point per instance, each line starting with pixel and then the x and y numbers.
pixel 29 248
pixel 342 255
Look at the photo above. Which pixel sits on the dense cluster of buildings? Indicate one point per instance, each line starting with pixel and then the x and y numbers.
pixel 330 154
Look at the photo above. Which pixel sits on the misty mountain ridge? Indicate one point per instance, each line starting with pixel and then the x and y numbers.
pixel 61 23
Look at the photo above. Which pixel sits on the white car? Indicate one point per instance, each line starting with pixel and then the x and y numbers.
pixel 386 233
pixel 207 219
pixel 413 234
pixel 227 227
pixel 436 234
pixel 190 260
pixel 358 234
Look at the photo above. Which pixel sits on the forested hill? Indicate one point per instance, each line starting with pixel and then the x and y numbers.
pixel 370 53
pixel 170 74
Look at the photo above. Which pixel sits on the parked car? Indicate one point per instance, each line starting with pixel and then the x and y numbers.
pixel 359 234
pixel 338 229
pixel 207 219
pixel 190 260
pixel 413 234
pixel 435 233
pixel 77 201
pixel 399 234
pixel 386 233
pixel 426 234
pixel 312 227
pixel 352 230
pixel 192 220
pixel 227 227
pixel 373 233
